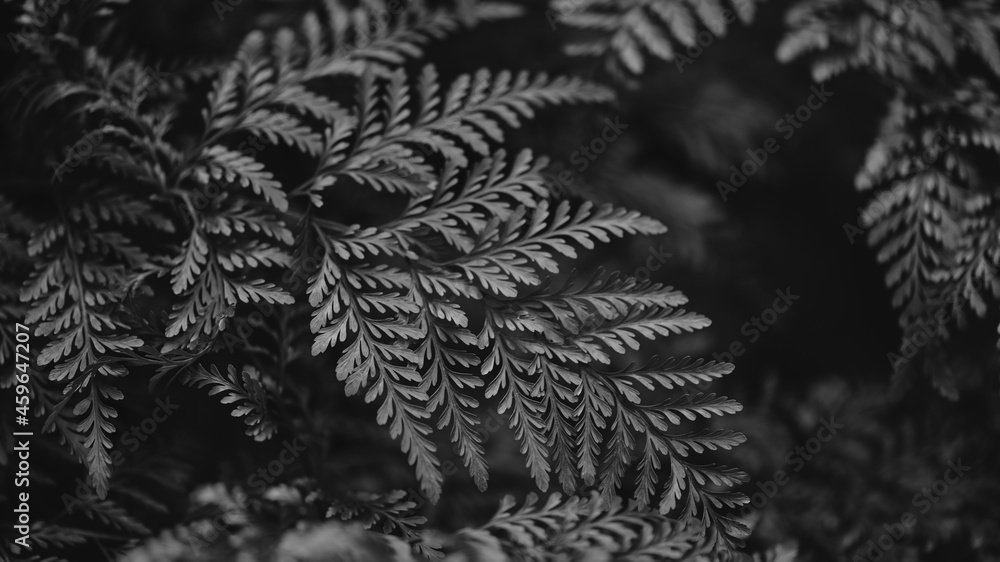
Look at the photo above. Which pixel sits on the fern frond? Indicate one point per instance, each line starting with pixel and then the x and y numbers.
pixel 425 312
pixel 58 537
pixel 887 38
pixel 625 33
pixel 224 164
pixel 96 427
pixel 570 528
pixel 348 42
pixel 365 309
pixel 212 271
pixel 84 264
pixel 74 288
pixel 114 516
pixel 243 389
pixel 565 411
pixel 392 512
pixel 459 208
pixel 511 252
pixel 931 220
pixel 398 127
pixel 449 373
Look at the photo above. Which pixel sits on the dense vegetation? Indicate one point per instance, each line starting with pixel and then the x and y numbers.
pixel 386 280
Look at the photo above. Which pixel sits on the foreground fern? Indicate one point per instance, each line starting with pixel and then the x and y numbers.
pixel 447 294
pixel 934 220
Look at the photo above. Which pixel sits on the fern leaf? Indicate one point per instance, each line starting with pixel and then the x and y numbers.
pixel 459 208
pixel 96 425
pixel 212 272
pixel 336 51
pixel 353 307
pixel 390 146
pixel 892 41
pixel 224 164
pixel 543 353
pixel 243 389
pixel 71 296
pixel 629 30
pixel 507 253
pixel 929 226
pixel 448 369
pixel 568 528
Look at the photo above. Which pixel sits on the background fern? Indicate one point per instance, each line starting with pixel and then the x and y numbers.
pixel 626 34
pixel 933 219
